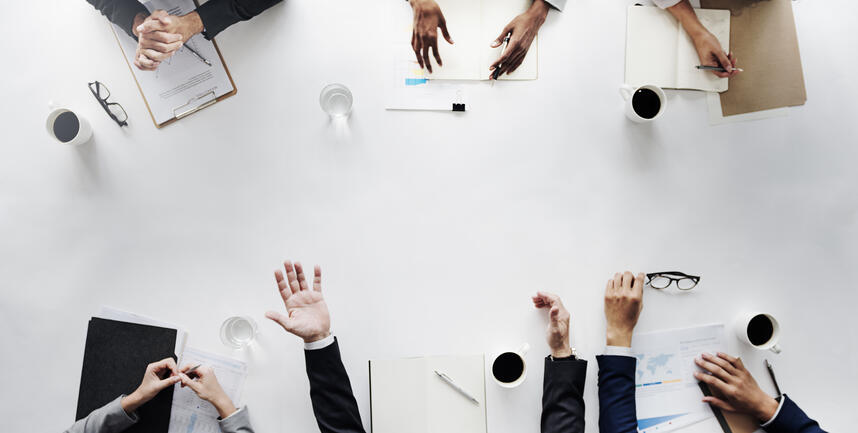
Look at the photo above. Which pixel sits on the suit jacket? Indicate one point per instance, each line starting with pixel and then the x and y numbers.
pixel 216 15
pixel 617 402
pixel 331 392
pixel 111 418
pixel 563 395
pixel 791 419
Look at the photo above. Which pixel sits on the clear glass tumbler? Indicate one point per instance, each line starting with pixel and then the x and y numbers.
pixel 238 331
pixel 336 100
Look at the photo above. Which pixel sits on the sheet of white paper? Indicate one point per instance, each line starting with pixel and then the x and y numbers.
pixel 189 413
pixel 409 87
pixel 182 78
pixel 407 395
pixel 667 395
pixel 473 25
pixel 111 313
pixel 687 75
pixel 716 116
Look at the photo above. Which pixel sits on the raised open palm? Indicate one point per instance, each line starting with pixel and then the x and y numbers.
pixel 307 314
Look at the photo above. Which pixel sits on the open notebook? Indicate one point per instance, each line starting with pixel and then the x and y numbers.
pixel 660 52
pixel 407 396
pixel 473 25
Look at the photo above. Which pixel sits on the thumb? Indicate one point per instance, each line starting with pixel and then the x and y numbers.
pixel 497 42
pixel 721 404
pixel 166 20
pixel 555 312
pixel 168 382
pixel 280 318
pixel 190 383
pixel 724 61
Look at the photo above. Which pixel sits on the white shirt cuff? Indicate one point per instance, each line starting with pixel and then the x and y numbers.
pixel 232 414
pixel 783 398
pixel 320 344
pixel 619 351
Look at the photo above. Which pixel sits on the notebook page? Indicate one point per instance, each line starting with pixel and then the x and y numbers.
pixel 453 412
pixel 496 14
pixel 398 395
pixel 687 75
pixel 651 47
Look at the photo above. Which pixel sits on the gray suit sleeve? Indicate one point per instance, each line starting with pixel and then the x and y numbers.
pixel 238 422
pixel 110 418
pixel 557 4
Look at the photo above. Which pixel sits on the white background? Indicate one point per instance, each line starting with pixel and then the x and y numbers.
pixel 433 229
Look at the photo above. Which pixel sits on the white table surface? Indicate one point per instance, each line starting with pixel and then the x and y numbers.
pixel 433 229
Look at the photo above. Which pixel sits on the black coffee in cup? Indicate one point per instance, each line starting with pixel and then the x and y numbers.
pixel 760 330
pixel 508 367
pixel 646 103
pixel 66 126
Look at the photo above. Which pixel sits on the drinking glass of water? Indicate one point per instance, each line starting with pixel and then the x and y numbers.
pixel 336 100
pixel 238 331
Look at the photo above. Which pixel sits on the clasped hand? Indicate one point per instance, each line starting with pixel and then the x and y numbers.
pixel 160 35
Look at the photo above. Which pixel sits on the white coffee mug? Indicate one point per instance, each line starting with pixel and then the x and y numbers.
pixel 520 353
pixel 628 93
pixel 84 132
pixel 744 321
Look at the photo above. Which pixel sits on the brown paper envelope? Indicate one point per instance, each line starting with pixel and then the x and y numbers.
pixel 764 40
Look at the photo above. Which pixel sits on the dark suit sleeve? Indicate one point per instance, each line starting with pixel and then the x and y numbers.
pixel 331 392
pixel 791 419
pixel 217 15
pixel 563 396
pixel 617 412
pixel 120 12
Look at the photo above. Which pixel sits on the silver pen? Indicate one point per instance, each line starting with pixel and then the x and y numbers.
pixel 458 388
pixel 194 52
pixel 496 72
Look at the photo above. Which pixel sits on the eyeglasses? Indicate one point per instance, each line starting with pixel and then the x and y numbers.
pixel 661 280
pixel 114 110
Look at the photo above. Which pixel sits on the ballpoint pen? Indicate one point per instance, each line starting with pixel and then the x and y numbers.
pixel 459 389
pixel 496 72
pixel 194 52
pixel 188 373
pixel 717 68
pixel 772 374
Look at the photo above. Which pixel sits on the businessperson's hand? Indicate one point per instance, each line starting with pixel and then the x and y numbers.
pixel 306 311
pixel 558 325
pixel 708 48
pixel 712 54
pixel 522 30
pixel 158 376
pixel 623 304
pixel 154 45
pixel 738 390
pixel 204 383
pixel 184 25
pixel 427 19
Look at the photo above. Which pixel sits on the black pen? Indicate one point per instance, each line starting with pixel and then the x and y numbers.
pixel 772 374
pixel 717 68
pixel 496 73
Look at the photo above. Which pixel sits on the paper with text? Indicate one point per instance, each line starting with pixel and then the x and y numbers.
pixel 666 393
pixel 181 79
pixel 190 414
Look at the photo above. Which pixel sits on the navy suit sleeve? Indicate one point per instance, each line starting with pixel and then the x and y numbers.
pixel 563 396
pixel 331 392
pixel 217 15
pixel 617 412
pixel 791 419
pixel 120 12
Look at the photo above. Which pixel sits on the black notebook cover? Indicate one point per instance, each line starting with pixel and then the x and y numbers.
pixel 114 362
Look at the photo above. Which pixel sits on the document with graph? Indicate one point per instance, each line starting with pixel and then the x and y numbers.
pixel 182 84
pixel 666 393
pixel 191 414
